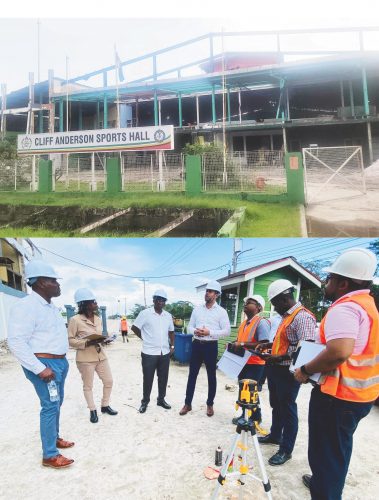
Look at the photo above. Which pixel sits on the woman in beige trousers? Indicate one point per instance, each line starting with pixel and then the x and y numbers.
pixel 90 354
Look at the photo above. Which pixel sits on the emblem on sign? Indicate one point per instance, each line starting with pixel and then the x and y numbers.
pixel 26 142
pixel 159 135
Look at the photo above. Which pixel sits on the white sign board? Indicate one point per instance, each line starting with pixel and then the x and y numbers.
pixel 231 364
pixel 306 351
pixel 107 140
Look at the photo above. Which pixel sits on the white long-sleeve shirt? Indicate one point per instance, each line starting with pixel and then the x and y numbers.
pixel 215 319
pixel 36 326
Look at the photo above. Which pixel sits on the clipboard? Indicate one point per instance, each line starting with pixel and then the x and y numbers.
pixel 305 352
pixel 93 336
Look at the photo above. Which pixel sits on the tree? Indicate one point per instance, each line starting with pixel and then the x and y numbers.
pixel 136 310
pixel 114 316
pixel 214 157
pixel 314 299
pixel 374 247
pixel 8 150
pixel 181 309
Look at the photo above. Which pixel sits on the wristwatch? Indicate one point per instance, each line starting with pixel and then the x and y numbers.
pixel 304 371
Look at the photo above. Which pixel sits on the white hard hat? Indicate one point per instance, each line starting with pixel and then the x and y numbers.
pixel 214 285
pixel 160 293
pixel 355 263
pixel 258 298
pixel 38 269
pixel 277 287
pixel 83 294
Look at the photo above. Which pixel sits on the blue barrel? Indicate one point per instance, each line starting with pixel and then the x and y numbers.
pixel 183 347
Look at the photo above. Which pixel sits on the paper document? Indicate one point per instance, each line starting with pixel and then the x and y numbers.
pixel 305 352
pixel 231 364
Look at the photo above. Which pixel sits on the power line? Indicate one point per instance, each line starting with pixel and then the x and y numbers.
pixel 134 277
pixel 302 248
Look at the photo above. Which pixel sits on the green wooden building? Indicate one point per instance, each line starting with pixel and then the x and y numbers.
pixel 255 280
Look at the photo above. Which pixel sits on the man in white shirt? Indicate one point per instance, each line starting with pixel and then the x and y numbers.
pixel 156 329
pixel 208 323
pixel 37 337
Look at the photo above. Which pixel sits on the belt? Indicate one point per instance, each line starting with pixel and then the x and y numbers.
pixel 205 341
pixel 50 356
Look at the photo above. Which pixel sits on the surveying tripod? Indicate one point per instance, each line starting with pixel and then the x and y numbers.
pixel 246 424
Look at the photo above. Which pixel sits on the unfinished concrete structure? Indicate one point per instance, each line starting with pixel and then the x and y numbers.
pixel 260 100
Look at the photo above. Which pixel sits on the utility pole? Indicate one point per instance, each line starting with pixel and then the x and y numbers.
pixel 237 245
pixel 144 280
pixel 38 51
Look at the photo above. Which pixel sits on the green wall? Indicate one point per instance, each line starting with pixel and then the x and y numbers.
pixel 261 284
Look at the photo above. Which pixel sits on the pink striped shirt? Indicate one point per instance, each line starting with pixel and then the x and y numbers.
pixel 348 321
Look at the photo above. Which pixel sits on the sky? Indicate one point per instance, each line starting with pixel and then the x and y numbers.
pixel 178 265
pixel 79 37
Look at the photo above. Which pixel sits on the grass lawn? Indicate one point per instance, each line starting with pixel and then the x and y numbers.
pixel 262 219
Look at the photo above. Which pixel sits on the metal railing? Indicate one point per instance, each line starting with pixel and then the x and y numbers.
pixel 331 170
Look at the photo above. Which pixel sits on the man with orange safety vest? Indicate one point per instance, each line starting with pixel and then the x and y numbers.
pixel 252 331
pixel 297 324
pixel 124 329
pixel 350 368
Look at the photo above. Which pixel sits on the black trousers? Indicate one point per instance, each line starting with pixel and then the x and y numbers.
pixel 332 423
pixel 150 364
pixel 202 352
pixel 283 393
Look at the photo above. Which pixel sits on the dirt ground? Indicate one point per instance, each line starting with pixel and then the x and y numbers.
pixel 157 455
pixel 340 210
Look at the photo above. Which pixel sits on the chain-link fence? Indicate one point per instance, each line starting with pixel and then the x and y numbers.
pixel 253 171
pixel 16 175
pixel 153 172
pixel 79 173
pixel 259 171
pixel 141 171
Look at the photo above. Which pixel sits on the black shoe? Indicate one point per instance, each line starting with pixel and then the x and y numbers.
pixel 268 440
pixel 307 480
pixel 108 409
pixel 164 405
pixel 143 408
pixel 280 458
pixel 93 416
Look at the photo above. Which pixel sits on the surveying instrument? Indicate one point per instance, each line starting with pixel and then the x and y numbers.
pixel 246 424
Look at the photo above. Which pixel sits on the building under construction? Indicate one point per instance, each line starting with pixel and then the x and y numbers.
pixel 257 100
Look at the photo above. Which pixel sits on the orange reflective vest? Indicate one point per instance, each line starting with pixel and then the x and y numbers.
pixel 281 342
pixel 357 378
pixel 124 325
pixel 247 334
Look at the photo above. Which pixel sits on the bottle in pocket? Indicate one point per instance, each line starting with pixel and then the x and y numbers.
pixel 53 390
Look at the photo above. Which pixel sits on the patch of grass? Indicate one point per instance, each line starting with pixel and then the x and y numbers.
pixel 262 219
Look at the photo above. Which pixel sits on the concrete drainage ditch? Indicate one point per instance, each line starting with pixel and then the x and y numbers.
pixel 76 220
